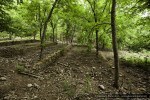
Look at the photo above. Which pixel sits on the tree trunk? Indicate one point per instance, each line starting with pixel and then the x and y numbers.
pixel 21 1
pixel 56 35
pixel 45 27
pixel 103 45
pixel 96 32
pixel 53 30
pixel 40 30
pixel 95 19
pixel 97 46
pixel 10 36
pixel 73 33
pixel 53 35
pixel 34 36
pixel 114 42
pixel 18 2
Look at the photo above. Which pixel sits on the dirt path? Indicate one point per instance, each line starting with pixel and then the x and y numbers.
pixel 77 75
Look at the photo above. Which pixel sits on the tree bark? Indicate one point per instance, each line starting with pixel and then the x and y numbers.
pixel 56 34
pixel 40 21
pixel 21 1
pixel 53 30
pixel 73 33
pixel 34 36
pixel 45 27
pixel 40 30
pixel 114 42
pixel 18 2
pixel 96 32
pixel 10 36
pixel 53 35
pixel 97 46
pixel 95 19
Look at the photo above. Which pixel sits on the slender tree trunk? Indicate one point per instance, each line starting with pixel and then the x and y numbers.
pixel 72 37
pixel 40 21
pixel 96 33
pixel 34 36
pixel 40 30
pixel 114 42
pixel 97 46
pixel 10 36
pixel 95 19
pixel 103 46
pixel 53 30
pixel 45 27
pixel 56 35
pixel 21 1
pixel 53 35
pixel 18 2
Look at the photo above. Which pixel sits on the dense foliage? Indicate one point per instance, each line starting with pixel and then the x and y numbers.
pixel 78 21
pixel 5 18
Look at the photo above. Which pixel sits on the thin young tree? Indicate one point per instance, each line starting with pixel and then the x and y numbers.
pixel 93 8
pixel 114 42
pixel 45 27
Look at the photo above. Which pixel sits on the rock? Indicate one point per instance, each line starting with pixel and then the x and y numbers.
pixel 25 98
pixel 120 75
pixel 101 87
pixel 34 97
pixel 62 71
pixel 127 71
pixel 36 86
pixel 77 64
pixel 41 78
pixel 122 90
pixel 3 79
pixel 6 98
pixel 141 89
pixel 29 85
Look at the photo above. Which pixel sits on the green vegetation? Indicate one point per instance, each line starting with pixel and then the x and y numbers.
pixel 20 68
pixel 73 21
pixel 141 60
pixel 99 24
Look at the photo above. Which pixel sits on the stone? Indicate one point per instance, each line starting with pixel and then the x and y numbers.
pixel 77 64
pixel 120 75
pixel 101 87
pixel 3 79
pixel 29 85
pixel 36 86
pixel 141 89
pixel 35 97
pixel 6 98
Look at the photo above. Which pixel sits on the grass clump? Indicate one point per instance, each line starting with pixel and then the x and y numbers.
pixel 142 62
pixel 20 68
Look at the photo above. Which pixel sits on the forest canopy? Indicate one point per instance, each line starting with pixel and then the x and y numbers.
pixel 78 20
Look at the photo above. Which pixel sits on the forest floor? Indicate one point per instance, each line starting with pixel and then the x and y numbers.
pixel 77 75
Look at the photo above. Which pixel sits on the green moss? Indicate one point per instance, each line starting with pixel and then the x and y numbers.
pixel 20 68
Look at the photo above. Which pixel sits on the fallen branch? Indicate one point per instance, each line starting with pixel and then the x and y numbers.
pixel 29 74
